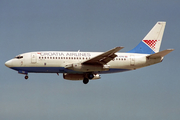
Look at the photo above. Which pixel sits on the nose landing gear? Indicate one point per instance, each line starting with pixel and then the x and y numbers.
pixel 24 73
pixel 26 77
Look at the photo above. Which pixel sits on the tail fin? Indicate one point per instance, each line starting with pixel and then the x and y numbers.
pixel 152 41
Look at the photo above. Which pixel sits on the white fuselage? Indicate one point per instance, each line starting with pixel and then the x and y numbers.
pixel 56 62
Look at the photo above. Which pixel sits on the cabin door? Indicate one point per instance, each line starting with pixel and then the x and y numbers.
pixel 33 58
pixel 132 60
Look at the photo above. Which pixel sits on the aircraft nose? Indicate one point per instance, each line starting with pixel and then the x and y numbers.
pixel 8 63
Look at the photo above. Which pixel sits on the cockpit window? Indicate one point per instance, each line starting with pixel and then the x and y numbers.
pixel 19 57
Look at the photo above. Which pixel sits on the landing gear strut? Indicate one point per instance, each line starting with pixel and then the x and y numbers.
pixel 86 80
pixel 26 77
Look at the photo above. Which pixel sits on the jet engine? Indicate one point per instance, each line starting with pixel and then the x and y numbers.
pixel 69 76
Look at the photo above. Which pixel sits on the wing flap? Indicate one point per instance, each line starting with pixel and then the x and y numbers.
pixel 160 54
pixel 104 57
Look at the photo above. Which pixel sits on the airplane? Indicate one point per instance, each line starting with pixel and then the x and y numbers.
pixel 87 66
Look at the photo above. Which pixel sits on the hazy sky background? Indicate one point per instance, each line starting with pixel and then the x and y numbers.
pixel 150 93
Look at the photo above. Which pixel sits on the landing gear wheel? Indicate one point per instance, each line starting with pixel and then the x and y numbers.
pixel 90 76
pixel 85 81
pixel 26 77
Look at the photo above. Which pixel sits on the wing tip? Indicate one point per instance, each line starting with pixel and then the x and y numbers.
pixel 120 47
pixel 171 49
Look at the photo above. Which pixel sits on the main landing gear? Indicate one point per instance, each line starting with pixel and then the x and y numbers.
pixel 88 77
pixel 85 80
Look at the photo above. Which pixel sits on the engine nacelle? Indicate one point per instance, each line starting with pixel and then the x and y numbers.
pixel 87 68
pixel 69 76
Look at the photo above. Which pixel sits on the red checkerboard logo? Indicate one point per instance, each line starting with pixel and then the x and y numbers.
pixel 151 43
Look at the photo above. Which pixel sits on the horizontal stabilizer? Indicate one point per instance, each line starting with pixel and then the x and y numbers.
pixel 160 54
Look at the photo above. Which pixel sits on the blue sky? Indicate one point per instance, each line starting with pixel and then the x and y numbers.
pixel 93 25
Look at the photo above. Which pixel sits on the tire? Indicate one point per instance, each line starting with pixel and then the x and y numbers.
pixel 86 80
pixel 26 77
pixel 90 76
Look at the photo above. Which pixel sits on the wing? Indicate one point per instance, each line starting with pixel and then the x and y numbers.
pixel 104 57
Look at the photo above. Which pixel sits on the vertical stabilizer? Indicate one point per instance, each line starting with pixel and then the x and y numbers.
pixel 152 41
